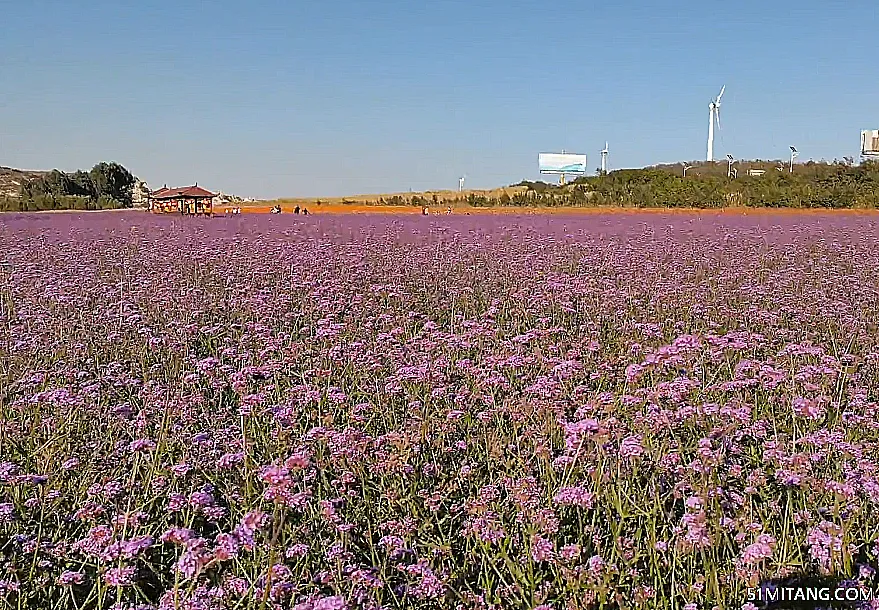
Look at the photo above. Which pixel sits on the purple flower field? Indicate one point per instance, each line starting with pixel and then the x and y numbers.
pixel 364 412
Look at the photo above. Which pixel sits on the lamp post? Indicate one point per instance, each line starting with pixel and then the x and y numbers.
pixel 730 161
pixel 793 155
pixel 685 168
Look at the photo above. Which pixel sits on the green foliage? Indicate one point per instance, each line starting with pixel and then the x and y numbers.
pixel 540 187
pixel 113 182
pixel 82 184
pixel 810 185
pixel 106 186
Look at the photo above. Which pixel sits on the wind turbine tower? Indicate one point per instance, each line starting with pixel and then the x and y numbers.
pixel 713 117
pixel 604 159
pixel 461 182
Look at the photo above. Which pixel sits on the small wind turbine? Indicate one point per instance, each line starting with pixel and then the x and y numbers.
pixel 604 159
pixel 713 116
pixel 794 153
pixel 461 182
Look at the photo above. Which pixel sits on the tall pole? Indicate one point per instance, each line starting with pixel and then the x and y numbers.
pixel 710 156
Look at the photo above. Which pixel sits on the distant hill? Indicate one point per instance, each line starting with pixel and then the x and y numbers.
pixel 11 179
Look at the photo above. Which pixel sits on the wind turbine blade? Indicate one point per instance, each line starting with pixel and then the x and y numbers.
pixel 717 116
pixel 722 89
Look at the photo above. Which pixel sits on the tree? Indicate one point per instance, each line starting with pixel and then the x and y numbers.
pixel 113 182
pixel 82 185
pixel 57 184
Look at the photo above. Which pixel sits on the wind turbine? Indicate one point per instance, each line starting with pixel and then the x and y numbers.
pixel 794 153
pixel 713 116
pixel 604 159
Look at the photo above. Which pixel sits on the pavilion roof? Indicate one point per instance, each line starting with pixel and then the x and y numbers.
pixel 195 192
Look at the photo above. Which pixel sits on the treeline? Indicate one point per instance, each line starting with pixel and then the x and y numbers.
pixel 706 185
pixel 106 186
pixel 540 195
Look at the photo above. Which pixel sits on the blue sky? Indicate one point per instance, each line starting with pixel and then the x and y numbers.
pixel 292 98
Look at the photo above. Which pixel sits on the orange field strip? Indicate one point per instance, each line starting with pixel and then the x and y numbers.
pixel 440 210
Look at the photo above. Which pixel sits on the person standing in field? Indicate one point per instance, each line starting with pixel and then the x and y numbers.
pixel 296 210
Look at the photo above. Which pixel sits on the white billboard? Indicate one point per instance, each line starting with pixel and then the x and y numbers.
pixel 561 163
pixel 870 142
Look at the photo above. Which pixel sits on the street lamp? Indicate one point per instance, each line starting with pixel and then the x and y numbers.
pixel 793 155
pixel 730 161
pixel 686 167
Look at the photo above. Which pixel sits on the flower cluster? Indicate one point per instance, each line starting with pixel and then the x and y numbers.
pixel 378 412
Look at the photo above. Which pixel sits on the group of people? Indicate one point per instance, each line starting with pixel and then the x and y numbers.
pixel 426 212
pixel 277 210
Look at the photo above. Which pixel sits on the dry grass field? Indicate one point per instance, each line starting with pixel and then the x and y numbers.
pixel 441 196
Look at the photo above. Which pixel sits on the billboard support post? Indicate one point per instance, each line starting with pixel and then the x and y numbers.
pixel 562 179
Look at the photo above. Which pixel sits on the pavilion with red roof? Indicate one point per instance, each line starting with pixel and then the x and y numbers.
pixel 188 200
